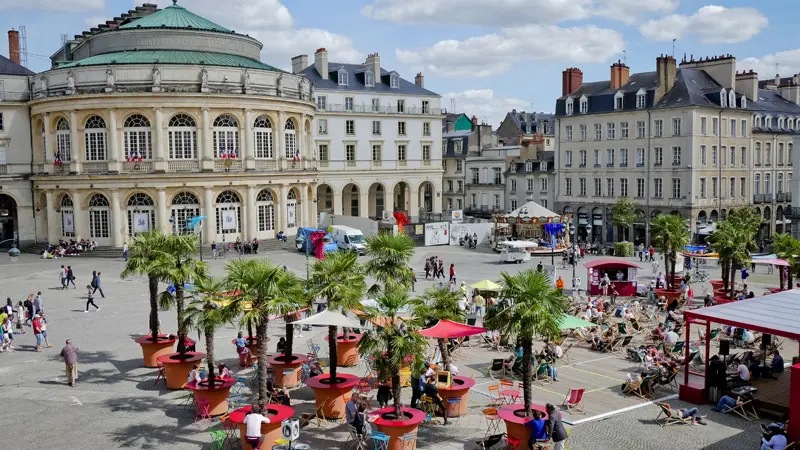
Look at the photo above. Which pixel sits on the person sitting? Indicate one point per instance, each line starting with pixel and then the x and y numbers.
pixel 281 345
pixel 316 369
pixel 384 394
pixel 708 301
pixel 433 392
pixel 223 370
pixel 742 374
pixel 726 403
pixel 538 431
pixel 253 421
pixel 670 338
pixel 271 392
pixel 776 442
pixel 194 374
pixel 694 413
pixel 283 398
pixel 281 236
pixel 508 363
pixel 352 415
pixel 777 363
pixel 662 302
pixel 189 344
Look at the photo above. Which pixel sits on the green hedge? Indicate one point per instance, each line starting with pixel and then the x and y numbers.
pixel 623 248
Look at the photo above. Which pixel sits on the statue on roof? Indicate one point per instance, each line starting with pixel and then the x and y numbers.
pixel 246 82
pixel 203 80
pixel 156 77
pixel 43 80
pixel 279 87
pixel 311 92
pixel 304 88
pixel 70 82
pixel 109 78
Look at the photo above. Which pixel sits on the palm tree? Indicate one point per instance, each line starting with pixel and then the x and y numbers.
pixel 261 288
pixel 204 315
pixel 398 341
pixel 787 248
pixel 339 279
pixel 146 257
pixel 390 256
pixel 671 235
pixel 535 310
pixel 734 240
pixel 439 304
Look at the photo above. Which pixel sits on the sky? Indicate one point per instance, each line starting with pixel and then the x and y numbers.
pixel 484 57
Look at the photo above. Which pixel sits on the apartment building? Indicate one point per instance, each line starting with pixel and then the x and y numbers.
pixel 519 127
pixel 486 180
pixel 531 177
pixel 461 137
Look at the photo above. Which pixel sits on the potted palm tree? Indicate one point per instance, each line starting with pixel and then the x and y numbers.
pixel 734 240
pixel 671 235
pixel 439 304
pixel 787 248
pixel 535 309
pixel 205 315
pixel 146 258
pixel 180 268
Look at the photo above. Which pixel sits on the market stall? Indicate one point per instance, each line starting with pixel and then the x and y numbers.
pixel 623 276
pixel 532 222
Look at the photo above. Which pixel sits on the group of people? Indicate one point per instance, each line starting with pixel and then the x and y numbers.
pixel 434 266
pixel 71 248
pixel 646 254
pixel 247 247
pixel 14 319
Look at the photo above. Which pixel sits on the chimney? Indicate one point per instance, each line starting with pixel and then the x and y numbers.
pixel 665 71
pixel 475 120
pixel 321 62
pixel 747 84
pixel 374 63
pixel 722 68
pixel 571 80
pixel 790 90
pixel 777 76
pixel 299 63
pixel 419 80
pixel 13 45
pixel 619 74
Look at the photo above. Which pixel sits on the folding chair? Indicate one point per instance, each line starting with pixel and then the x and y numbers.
pixel 621 347
pixel 237 387
pixel 671 416
pixel 565 353
pixel 495 398
pixel 161 376
pixel 513 443
pixel 492 421
pixel 201 410
pixel 356 441
pixel 610 347
pixel 622 328
pixel 574 400
pixel 429 408
pixel 746 409
pixel 380 441
pixel 509 394
pixel 676 350
pixel 230 429
pixel 541 376
pixel 218 438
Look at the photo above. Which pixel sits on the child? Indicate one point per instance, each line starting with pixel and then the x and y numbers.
pixel 20 317
pixel 90 298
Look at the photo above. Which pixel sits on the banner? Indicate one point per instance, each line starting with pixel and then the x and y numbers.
pixel 437 233
pixel 69 222
pixel 229 219
pixel 457 216
pixel 141 222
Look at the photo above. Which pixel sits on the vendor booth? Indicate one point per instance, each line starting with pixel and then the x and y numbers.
pixel 623 276
pixel 532 222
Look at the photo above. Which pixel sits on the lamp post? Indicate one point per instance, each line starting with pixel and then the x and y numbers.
pixel 574 231
pixel 14 252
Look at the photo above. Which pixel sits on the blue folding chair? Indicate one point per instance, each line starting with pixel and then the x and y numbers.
pixel 380 441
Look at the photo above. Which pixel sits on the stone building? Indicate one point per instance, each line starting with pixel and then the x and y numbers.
pixel 461 137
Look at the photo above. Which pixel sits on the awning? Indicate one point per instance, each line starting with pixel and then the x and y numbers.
pixel 328 318
pixel 568 322
pixel 486 285
pixel 446 329
pixel 771 262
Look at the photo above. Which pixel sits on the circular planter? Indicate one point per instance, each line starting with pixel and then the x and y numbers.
pixel 287 373
pixel 717 284
pixel 459 389
pixel 669 294
pixel 152 350
pixel 176 370
pixel 516 423
pixel 254 346
pixel 217 396
pixel 329 397
pixel 395 429
pixel 346 350
pixel 271 431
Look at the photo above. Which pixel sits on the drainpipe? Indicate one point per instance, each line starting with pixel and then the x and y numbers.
pixel 647 185
pixel 719 164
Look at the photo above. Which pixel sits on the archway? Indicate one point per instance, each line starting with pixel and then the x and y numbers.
pixel 292 221
pixel 141 214
pixel 639 227
pixel 9 225
pixel 66 208
pixel 584 226
pixel 185 206
pixel 402 196
pixel 702 218
pixel 324 199
pixel 714 216
pixel 426 194
pixel 779 219
pixel 377 200
pixel 100 219
pixel 350 200
pixel 229 216
pixel 265 202
pixel 766 225
pixel 597 225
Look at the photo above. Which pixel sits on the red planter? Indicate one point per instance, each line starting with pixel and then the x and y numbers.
pixel 287 373
pixel 330 397
pixel 717 284
pixel 459 389
pixel 669 294
pixel 516 425
pixel 217 396
pixel 271 431
pixel 176 371
pixel 395 429
pixel 252 356
pixel 152 350
pixel 346 349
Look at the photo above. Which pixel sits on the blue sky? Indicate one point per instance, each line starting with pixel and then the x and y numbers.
pixel 490 56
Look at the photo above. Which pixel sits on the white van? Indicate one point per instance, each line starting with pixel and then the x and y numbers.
pixel 349 238
pixel 515 252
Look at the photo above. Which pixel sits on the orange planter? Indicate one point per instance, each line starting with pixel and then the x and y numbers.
pixel 330 397
pixel 287 374
pixel 395 429
pixel 270 431
pixel 176 371
pixel 669 294
pixel 152 350
pixel 346 349
pixel 217 397
pixel 516 425
pixel 459 389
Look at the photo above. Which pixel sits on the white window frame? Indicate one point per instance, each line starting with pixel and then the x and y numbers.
pixel 619 101
pixel 94 134
pixel 137 137
pixel 225 136
pixel 290 142
pixel 179 135
pixel 342 77
pixel 63 139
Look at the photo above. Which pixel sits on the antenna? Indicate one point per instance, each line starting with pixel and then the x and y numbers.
pixel 64 39
pixel 673 47
pixel 625 56
pixel 23 46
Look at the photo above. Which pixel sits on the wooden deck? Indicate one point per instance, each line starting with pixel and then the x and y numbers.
pixel 773 395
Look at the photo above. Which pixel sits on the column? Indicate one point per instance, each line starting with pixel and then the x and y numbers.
pixel 117 223
pixel 413 204
pixel 304 218
pixel 115 155
pixel 53 225
pixel 436 198
pixel 48 149
pixel 363 202
pixel 249 145
pixel 251 212
pixel 80 222
pixel 162 217
pixel 337 201
pixel 280 148
pixel 159 143
pixel 388 200
pixel 282 208
pixel 301 142
pixel 74 143
pixel 206 143
pixel 209 210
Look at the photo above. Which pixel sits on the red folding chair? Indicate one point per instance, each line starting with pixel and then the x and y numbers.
pixel 161 375
pixel 510 395
pixel 202 410
pixel 574 400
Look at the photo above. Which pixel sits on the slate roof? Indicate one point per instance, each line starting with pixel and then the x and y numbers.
pixel 170 57
pixel 693 87
pixel 770 101
pixel 548 157
pixel 175 16
pixel 533 119
pixel 8 67
pixel 457 133
pixel 355 80
pixel 601 96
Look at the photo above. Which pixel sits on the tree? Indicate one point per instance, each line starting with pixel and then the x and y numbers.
pixel 623 214
pixel 262 288
pixel 339 279
pixel 734 240
pixel 397 342
pixel 205 315
pixel 788 249
pixel 390 256
pixel 146 257
pixel 439 304
pixel 535 309
pixel 670 233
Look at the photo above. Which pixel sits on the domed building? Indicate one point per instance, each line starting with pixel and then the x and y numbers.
pixel 159 116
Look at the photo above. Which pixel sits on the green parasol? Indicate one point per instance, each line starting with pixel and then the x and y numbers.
pixel 568 322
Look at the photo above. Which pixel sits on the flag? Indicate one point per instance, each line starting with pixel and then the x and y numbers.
pixel 296 155
pixel 57 161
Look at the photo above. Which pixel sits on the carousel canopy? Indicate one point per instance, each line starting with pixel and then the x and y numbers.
pixel 531 209
pixel 609 262
pixel 446 329
pixel 328 318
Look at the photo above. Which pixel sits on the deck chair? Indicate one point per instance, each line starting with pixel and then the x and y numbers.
pixel 671 416
pixel 746 409
pixel 636 326
pixel 652 312
pixel 642 388
pixel 622 328
pixel 610 347
pixel 580 337
pixel 565 354
pixel 622 346
pixel 677 349
pixel 541 376
pixel 574 401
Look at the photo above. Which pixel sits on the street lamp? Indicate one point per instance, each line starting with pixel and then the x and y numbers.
pixel 14 252
pixel 573 230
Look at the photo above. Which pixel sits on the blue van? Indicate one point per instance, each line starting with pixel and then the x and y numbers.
pixel 302 238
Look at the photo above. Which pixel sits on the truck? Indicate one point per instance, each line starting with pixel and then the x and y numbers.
pixel 349 238
pixel 301 240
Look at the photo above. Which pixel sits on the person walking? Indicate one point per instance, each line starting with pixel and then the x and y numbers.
pixel 62 275
pixel 428 266
pixel 555 428
pixel 125 251
pixel 96 283
pixel 37 331
pixel 70 355
pixel 20 317
pixel 214 249
pixel 90 298
pixel 452 273
pixel 71 278
pixel 29 308
pixel 440 266
pixel 43 321
pixel 37 303
pixel 413 280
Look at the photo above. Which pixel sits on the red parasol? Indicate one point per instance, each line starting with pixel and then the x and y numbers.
pixel 447 329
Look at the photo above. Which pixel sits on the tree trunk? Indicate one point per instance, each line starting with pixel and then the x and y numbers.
pixel 789 277
pixel 332 351
pixel 780 277
pixel 179 307
pixel 445 353
pixel 527 376
pixel 725 274
pixel 288 348
pixel 674 260
pixel 210 356
pixel 396 392
pixel 733 280
pixel 262 361
pixel 153 287
pixel 249 332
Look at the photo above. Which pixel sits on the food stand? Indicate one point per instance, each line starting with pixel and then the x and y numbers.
pixel 626 287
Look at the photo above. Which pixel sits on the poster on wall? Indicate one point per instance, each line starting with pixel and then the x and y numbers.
pixel 457 216
pixel 457 231
pixel 141 222
pixel 290 215
pixel 437 233
pixel 229 219
pixel 69 223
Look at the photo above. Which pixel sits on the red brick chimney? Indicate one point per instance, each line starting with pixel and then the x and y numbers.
pixel 13 45
pixel 619 74
pixel 571 80
pixel 475 120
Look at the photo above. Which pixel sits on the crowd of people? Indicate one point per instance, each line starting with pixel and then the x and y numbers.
pixel 68 248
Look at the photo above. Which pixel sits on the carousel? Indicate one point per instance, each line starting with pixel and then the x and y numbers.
pixel 542 230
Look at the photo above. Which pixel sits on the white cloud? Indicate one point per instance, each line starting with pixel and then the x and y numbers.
pixel 484 104
pixel 281 46
pixel 493 54
pixel 711 24
pixel 788 64
pixel 509 13
pixel 244 14
pixel 47 5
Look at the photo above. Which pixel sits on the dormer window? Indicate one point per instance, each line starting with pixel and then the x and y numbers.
pixel 529 166
pixel 342 77
pixel 570 107
pixel 543 166
pixel 732 99
pixel 513 167
pixel 528 129
pixel 584 105
pixel 723 99
pixel 369 79
pixel 744 102
pixel 394 80
pixel 789 123
pixel 641 99
pixel 780 122
pixel 757 121
pixel 618 100
pixel 768 122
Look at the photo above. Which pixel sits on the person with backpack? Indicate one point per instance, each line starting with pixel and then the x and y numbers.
pixel 96 284
pixel 71 278
pixel 29 308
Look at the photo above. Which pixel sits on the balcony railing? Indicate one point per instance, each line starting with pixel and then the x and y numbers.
pixel 369 109
pixel 768 198
pixel 137 167
pixel 266 164
pixel 792 213
pixel 781 196
pixel 366 164
pixel 95 168
pixel 228 165
pixel 183 166
pixel 758 198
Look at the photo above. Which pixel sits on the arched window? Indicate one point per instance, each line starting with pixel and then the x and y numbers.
pixel 291 208
pixel 185 206
pixel 723 99
pixel 262 137
pixel 780 154
pixel 99 217
pixel 44 142
pixel 141 214
pixel 67 217
pixel 182 137
pixel 767 184
pixel 290 140
pixel 136 138
pixel 744 102
pixel 63 143
pixel 226 137
pixel 780 121
pixel 767 154
pixel 758 153
pixel 229 217
pixel 757 121
pixel 768 122
pixel 757 183
pixel 266 210
pixel 95 136
pixel 570 106
pixel 584 105
pixel 789 154
pixel 780 183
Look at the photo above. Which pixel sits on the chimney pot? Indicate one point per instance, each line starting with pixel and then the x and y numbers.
pixel 475 120
pixel 13 46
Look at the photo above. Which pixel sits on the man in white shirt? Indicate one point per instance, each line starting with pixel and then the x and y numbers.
pixel 462 304
pixel 253 422
pixel 743 371
pixel 671 337
pixel 194 375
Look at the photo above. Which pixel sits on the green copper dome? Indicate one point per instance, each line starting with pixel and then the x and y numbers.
pixel 175 16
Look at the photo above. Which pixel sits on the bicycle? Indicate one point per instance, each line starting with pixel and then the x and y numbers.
pixel 699 276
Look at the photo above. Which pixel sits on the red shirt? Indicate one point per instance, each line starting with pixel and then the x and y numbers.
pixel 37 326
pixel 452 271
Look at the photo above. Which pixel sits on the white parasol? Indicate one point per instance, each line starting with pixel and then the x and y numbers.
pixel 328 318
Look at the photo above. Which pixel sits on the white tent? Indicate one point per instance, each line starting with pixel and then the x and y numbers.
pixel 328 318
pixel 531 209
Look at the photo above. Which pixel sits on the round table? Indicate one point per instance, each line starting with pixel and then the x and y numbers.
pixel 516 426
pixel 271 431
pixel 152 350
pixel 217 397
pixel 176 371
pixel 396 429
pixel 458 389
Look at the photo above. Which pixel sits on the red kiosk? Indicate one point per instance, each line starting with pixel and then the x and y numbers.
pixel 626 286
pixel 774 314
